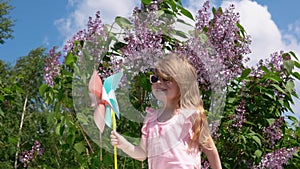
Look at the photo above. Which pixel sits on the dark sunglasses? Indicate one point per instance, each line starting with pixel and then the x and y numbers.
pixel 155 78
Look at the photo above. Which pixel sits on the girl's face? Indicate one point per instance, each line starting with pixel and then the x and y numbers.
pixel 165 89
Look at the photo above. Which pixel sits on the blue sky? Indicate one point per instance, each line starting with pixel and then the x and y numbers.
pixel 273 24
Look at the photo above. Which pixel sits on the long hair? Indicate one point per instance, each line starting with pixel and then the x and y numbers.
pixel 177 67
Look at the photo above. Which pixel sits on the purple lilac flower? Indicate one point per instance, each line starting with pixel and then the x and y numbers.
pixel 71 46
pixel 94 39
pixel 52 66
pixel 276 159
pixel 274 61
pixel 239 118
pixel 273 132
pixel 144 45
pixel 203 16
pixel 31 155
pixel 223 39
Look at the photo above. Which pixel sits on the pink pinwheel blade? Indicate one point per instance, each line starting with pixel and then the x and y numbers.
pixel 95 85
pixel 95 88
pixel 99 114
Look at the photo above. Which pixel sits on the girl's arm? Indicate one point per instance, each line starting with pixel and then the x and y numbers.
pixel 136 152
pixel 212 155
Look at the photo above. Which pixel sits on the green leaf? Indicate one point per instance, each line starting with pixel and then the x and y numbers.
pixel 147 2
pixel 186 12
pixel 293 54
pixel 122 22
pixel 275 79
pixel 172 5
pixel 242 29
pixel 70 59
pixel 258 153
pixel 265 69
pixel 119 45
pixel 271 121
pixel 245 73
pixel 296 75
pixel 79 147
pixel 43 88
pixel 289 65
pixel 297 64
pixel 293 119
pixel 257 140
pixel 290 86
pixel 278 88
pixel 1 112
pixel 1 98
pixel 180 33
pixel 183 22
pixel 59 129
pixel 12 139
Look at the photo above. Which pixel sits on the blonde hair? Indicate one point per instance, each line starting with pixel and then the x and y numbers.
pixel 178 68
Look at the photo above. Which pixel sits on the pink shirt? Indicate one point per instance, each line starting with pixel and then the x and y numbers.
pixel 167 142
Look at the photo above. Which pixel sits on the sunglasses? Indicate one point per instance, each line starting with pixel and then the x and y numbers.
pixel 155 78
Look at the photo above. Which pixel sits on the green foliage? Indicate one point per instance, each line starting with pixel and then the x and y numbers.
pixel 267 98
pixel 6 23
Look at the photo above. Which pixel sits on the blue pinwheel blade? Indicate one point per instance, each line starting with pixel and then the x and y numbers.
pixel 112 82
pixel 107 118
pixel 115 106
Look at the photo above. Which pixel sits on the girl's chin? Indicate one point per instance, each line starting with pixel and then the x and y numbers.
pixel 160 96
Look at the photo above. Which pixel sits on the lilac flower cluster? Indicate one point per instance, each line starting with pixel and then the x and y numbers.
pixel 73 47
pixel 144 41
pixel 223 38
pixel 31 155
pixel 274 61
pixel 276 159
pixel 203 16
pixel 273 132
pixel 52 66
pixel 239 118
pixel 94 39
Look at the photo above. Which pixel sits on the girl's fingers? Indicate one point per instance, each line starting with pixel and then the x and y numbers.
pixel 113 138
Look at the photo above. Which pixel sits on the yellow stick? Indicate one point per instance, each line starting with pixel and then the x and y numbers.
pixel 114 125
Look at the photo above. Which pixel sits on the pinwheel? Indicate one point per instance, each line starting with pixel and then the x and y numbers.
pixel 104 100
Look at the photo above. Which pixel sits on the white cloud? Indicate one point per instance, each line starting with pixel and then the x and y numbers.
pixel 295 28
pixel 46 41
pixel 82 10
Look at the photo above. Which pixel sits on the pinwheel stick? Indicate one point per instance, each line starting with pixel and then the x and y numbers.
pixel 114 126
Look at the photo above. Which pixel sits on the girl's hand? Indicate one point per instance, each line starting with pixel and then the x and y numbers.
pixel 118 140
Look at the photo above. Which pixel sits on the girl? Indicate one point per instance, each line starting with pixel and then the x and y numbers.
pixel 174 136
